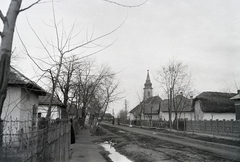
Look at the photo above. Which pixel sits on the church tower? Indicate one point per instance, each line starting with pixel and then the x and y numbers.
pixel 147 88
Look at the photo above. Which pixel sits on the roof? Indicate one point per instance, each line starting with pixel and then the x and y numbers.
pixel 150 106
pixel 136 111
pixel 45 100
pixel 108 115
pixel 216 102
pixel 237 97
pixel 18 79
pixel 182 104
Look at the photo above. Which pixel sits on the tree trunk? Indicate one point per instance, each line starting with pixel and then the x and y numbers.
pixel 6 47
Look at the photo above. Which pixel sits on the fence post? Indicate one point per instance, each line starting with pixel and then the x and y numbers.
pixel 217 126
pixel 205 125
pixel 224 126
pixel 232 126
pixel 211 125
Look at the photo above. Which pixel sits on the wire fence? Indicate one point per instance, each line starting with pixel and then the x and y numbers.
pixel 23 141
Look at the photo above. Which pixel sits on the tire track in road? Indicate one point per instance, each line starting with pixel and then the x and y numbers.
pixel 222 150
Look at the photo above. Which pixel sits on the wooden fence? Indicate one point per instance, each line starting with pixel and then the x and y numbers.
pixel 21 142
pixel 215 127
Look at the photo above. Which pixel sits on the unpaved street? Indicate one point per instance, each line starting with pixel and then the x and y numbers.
pixel 154 145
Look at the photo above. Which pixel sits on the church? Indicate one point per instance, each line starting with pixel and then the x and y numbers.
pixel 149 108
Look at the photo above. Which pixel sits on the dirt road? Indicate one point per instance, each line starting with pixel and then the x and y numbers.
pixel 152 145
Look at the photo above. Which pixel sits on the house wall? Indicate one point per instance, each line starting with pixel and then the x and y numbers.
pixel 132 117
pixel 237 108
pixel 18 113
pixel 148 117
pixel 11 106
pixel 219 116
pixel 55 111
pixel 29 101
pixel 183 115
pixel 200 115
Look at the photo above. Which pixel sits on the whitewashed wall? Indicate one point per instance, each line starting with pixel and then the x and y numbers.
pixel 55 111
pixel 11 106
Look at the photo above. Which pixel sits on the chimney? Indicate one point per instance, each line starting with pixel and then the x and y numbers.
pixel 238 91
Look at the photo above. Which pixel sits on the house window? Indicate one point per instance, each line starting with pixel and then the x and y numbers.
pixel 148 94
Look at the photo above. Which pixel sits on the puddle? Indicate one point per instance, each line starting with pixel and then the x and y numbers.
pixel 121 131
pixel 114 155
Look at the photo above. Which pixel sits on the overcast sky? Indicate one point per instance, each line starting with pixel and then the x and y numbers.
pixel 203 34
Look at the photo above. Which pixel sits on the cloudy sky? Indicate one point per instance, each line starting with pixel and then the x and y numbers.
pixel 203 34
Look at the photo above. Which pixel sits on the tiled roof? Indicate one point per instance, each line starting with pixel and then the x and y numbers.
pixel 17 78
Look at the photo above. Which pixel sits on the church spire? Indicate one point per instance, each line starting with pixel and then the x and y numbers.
pixel 148 83
pixel 147 87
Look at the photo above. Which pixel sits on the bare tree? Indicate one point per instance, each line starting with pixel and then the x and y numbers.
pixel 95 90
pixel 174 78
pixel 122 115
pixel 6 44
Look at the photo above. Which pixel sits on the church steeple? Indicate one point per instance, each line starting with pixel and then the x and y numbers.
pixel 147 87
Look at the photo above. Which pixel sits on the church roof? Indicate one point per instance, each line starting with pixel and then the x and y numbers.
pixel 148 83
pixel 150 106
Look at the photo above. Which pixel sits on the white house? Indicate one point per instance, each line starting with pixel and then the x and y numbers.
pixel 182 107
pixel 213 106
pixel 20 106
pixel 57 108
pixel 22 98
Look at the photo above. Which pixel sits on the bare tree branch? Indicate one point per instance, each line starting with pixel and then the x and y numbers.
pixel 129 6
pixel 30 6
pixel 3 18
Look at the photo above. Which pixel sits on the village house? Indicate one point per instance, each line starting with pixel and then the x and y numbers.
pixel 236 99
pixel 214 106
pixel 22 98
pixel 57 108
pixel 20 107
pixel 182 107
pixel 108 117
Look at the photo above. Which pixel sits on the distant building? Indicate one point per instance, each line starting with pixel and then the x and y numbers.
pixel 57 108
pixel 236 100
pixel 214 105
pixel 183 108
pixel 108 116
pixel 149 108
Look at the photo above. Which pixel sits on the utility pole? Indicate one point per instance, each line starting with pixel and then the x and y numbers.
pixel 170 110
